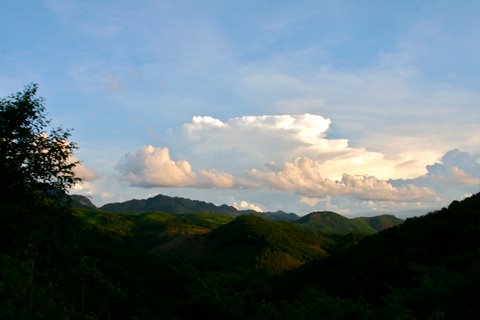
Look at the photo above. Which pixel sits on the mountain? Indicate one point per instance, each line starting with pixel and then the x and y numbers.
pixel 275 216
pixel 323 221
pixel 175 205
pixel 79 201
pixel 379 223
pixel 331 222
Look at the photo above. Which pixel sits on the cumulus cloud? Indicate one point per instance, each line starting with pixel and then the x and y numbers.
pixel 294 154
pixel 245 205
pixel 455 174
pixel 255 139
pixel 243 143
pixel 306 129
pixel 215 179
pixel 153 167
pixel 456 167
pixel 385 106
pixel 304 177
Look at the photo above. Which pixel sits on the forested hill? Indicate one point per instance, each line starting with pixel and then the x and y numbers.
pixel 178 205
pixel 175 205
pixel 79 201
pixel 426 268
pixel 331 222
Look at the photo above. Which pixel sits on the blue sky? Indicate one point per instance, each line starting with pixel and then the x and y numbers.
pixel 360 107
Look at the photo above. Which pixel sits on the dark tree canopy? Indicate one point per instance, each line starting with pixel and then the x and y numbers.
pixel 33 156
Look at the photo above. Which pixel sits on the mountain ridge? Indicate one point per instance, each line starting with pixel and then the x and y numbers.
pixel 178 205
pixel 332 222
pixel 324 221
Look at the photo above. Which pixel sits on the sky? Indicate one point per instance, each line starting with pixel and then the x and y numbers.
pixel 359 107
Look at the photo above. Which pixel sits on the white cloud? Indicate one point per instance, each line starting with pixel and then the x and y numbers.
pixel 294 154
pixel 386 106
pixel 242 143
pixel 253 134
pixel 216 179
pixel 245 205
pixel 456 167
pixel 455 174
pixel 153 167
pixel 304 177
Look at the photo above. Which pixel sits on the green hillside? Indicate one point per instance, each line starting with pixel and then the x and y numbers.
pixel 332 223
pixel 251 241
pixel 79 201
pixel 378 223
pixel 425 268
pixel 148 230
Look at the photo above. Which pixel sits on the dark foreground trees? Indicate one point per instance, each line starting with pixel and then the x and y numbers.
pixel 33 156
pixel 36 172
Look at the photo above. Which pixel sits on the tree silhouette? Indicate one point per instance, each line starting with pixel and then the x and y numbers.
pixel 33 156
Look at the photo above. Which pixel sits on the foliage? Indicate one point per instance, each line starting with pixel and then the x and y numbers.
pixel 148 230
pixel 106 221
pixel 333 223
pixel 274 246
pixel 30 157
pixel 379 223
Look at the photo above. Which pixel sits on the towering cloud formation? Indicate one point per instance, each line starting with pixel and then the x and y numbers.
pixel 252 141
pixel 262 138
pixel 291 153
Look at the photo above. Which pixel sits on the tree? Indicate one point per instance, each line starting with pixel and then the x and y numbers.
pixel 32 157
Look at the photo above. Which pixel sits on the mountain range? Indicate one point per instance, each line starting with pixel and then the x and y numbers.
pixel 322 221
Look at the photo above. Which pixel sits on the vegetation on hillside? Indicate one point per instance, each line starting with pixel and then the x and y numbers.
pixel 333 223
